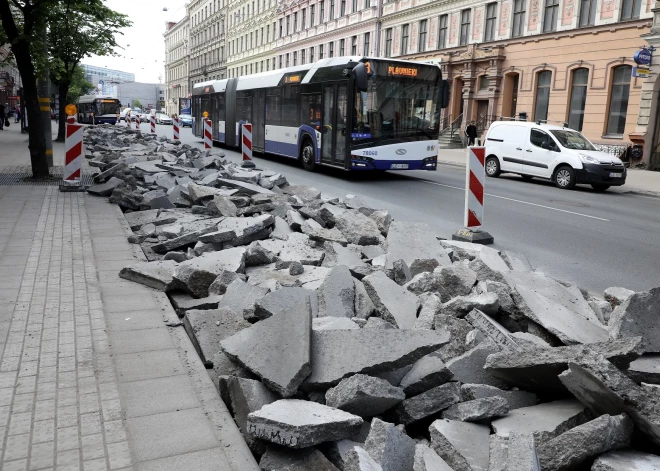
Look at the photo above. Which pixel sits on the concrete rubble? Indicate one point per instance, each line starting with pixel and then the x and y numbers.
pixel 315 314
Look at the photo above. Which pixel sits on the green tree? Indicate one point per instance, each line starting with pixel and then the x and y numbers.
pixel 79 85
pixel 137 103
pixel 23 22
pixel 77 29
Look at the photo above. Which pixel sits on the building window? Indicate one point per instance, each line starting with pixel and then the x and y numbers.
pixel 311 15
pixel 550 15
pixel 465 27
pixel 322 20
pixel 287 59
pixel 543 80
pixel 295 22
pixel 331 51
pixel 280 61
pixel 295 58
pixel 332 9
pixel 578 99
pixel 630 9
pixel 288 18
pixel 518 18
pixel 491 20
pixel 302 57
pixel 616 119
pixel 484 83
pixel 587 12
pixel 320 51
pixel 423 25
pixel 311 55
pixel 355 6
pixel 388 42
pixel 367 3
pixel 303 24
pixel 404 39
pixel 280 28
pixel 342 46
pixel 354 46
pixel 442 32
pixel 342 8
pixel 367 46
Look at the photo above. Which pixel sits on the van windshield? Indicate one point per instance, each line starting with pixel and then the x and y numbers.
pixel 572 140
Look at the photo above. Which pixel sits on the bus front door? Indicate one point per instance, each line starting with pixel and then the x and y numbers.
pixel 258 120
pixel 333 140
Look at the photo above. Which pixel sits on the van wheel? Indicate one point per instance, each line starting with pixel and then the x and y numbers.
pixel 307 156
pixel 599 186
pixel 564 178
pixel 493 167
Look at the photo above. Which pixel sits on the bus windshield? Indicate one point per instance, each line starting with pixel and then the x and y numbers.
pixel 104 107
pixel 396 108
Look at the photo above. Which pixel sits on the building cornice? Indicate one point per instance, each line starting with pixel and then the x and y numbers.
pixel 329 34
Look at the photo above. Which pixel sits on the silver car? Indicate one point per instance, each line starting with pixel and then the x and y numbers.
pixel 163 119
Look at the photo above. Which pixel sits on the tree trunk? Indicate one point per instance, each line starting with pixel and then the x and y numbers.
pixel 64 91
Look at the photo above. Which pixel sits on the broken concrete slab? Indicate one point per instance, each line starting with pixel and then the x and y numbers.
pixel 281 229
pixel 244 188
pixel 337 354
pixel 198 274
pixel 469 367
pixel 305 193
pixel 459 330
pixel 258 255
pixel 568 326
pixel 389 446
pixel 488 303
pixel 377 323
pixel 221 282
pixel 545 421
pixel 241 296
pixel 645 369
pixel 638 316
pixel 421 283
pixel 183 241
pixel 428 460
pixel 493 330
pixel 333 323
pixel 364 395
pixel 364 306
pixel 522 452
pixel 515 399
pixel 337 294
pixel 428 403
pixel 538 369
pixel 222 206
pixel 357 459
pixel 410 241
pixel 516 261
pixel 498 451
pixel 298 249
pixel 358 229
pixel 395 304
pixel 463 445
pixel 402 275
pixel 207 328
pixel 246 396
pixel 276 349
pixel 454 280
pixel 281 301
pixel 427 373
pixel 337 254
pixel 276 459
pixel 320 234
pixel 157 275
pixel 478 409
pixel 488 265
pixel 300 424
pixel 604 389
pixel 430 308
pixel 573 447
pixel 153 216
pixel 627 460
pixel 105 189
pixel 616 295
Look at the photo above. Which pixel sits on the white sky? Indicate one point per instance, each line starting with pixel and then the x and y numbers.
pixel 143 43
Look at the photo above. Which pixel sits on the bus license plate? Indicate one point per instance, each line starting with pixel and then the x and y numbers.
pixel 616 175
pixel 399 166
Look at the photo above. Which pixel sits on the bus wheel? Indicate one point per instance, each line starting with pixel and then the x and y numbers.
pixel 307 155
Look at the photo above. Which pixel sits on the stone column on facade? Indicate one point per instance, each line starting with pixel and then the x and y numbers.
pixel 645 129
pixel 494 86
pixel 469 82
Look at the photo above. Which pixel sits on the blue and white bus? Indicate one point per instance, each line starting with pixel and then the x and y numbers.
pixel 98 110
pixel 353 113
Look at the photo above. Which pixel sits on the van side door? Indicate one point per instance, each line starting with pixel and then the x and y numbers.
pixel 513 147
pixel 540 153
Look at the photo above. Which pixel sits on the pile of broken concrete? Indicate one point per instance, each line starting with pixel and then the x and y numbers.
pixel 341 339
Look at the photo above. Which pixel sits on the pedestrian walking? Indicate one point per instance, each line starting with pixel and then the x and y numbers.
pixel 3 117
pixel 17 114
pixel 471 133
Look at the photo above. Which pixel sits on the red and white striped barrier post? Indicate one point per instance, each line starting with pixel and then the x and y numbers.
pixel 247 146
pixel 475 179
pixel 70 119
pixel 128 121
pixel 208 134
pixel 137 122
pixel 153 124
pixel 73 145
pixel 176 124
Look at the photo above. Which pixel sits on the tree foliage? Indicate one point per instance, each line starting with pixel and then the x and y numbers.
pixel 79 85
pixel 137 103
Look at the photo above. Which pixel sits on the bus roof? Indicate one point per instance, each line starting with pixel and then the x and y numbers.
pixel 272 78
pixel 90 98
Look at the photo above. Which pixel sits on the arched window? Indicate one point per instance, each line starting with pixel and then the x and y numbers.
pixel 616 117
pixel 543 81
pixel 578 98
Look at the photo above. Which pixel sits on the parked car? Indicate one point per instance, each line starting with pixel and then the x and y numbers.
pixel 556 153
pixel 163 119
pixel 122 114
pixel 186 120
pixel 145 117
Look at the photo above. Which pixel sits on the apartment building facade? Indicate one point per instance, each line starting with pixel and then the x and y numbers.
pixel 310 30
pixel 176 65
pixel 207 26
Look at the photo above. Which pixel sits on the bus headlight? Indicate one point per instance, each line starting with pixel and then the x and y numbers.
pixel 430 162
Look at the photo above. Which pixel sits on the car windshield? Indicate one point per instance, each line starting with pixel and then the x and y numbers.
pixel 572 140
pixel 185 116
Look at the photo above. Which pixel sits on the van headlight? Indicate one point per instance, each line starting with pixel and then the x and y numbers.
pixel 587 159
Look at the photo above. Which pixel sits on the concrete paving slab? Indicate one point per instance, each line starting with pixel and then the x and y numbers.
pixel 157 395
pixel 140 340
pixel 147 365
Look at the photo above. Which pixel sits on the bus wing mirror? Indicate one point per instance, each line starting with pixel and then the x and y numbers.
pixel 361 79
pixel 444 94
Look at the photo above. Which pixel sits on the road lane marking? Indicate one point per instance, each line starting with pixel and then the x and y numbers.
pixel 520 201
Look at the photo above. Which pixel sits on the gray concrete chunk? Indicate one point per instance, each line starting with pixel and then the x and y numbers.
pixel 207 328
pixel 493 330
pixel 638 315
pixel 645 369
pixel 246 396
pixel 337 294
pixel 241 296
pixel 477 409
pixel 300 424
pixel 389 446
pixel 488 303
pixel 574 447
pixel 364 306
pixel 428 460
pixel 364 395
pixel 545 421
pixel 244 188
pixel 153 216
pixel 280 301
pixel 463 445
pixel 515 399
pixel 522 452
pixel 333 323
pixel 182 241
pixel 395 304
pixel 337 354
pixel 627 460
pixel 295 220
pixel 157 275
pixel 198 274
pixel 222 206
pixel 358 229
pixel 105 189
pixel 427 372
pixel 276 349
pixel 421 283
pixel 276 459
pixel 488 265
pixel 305 193
pixel 454 280
pixel 616 295
pixel 357 459
pixel 428 403
pixel 221 282
pixel 299 250
pixel 459 330
pixel 469 367
pixel 409 241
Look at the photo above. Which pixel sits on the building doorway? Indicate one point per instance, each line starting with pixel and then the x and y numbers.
pixel 457 99
pixel 510 95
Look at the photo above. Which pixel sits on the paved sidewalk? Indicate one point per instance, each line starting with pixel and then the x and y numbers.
pixel 642 181
pixel 91 376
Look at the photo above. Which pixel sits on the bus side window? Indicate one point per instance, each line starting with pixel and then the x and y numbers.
pixel 310 111
pixel 273 107
pixel 290 99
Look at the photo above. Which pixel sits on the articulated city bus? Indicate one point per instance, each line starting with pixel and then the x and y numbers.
pixel 353 113
pixel 98 110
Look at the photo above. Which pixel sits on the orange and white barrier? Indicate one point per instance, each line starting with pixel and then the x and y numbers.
pixel 475 176
pixel 208 134
pixel 137 122
pixel 176 124
pixel 74 154
pixel 153 124
pixel 247 146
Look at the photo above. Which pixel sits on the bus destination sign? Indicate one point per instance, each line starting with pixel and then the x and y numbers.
pixel 395 71
pixel 297 78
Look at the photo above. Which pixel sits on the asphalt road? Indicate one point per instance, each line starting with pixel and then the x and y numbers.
pixel 595 240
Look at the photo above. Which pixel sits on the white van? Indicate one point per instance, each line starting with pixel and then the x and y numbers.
pixel 556 153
